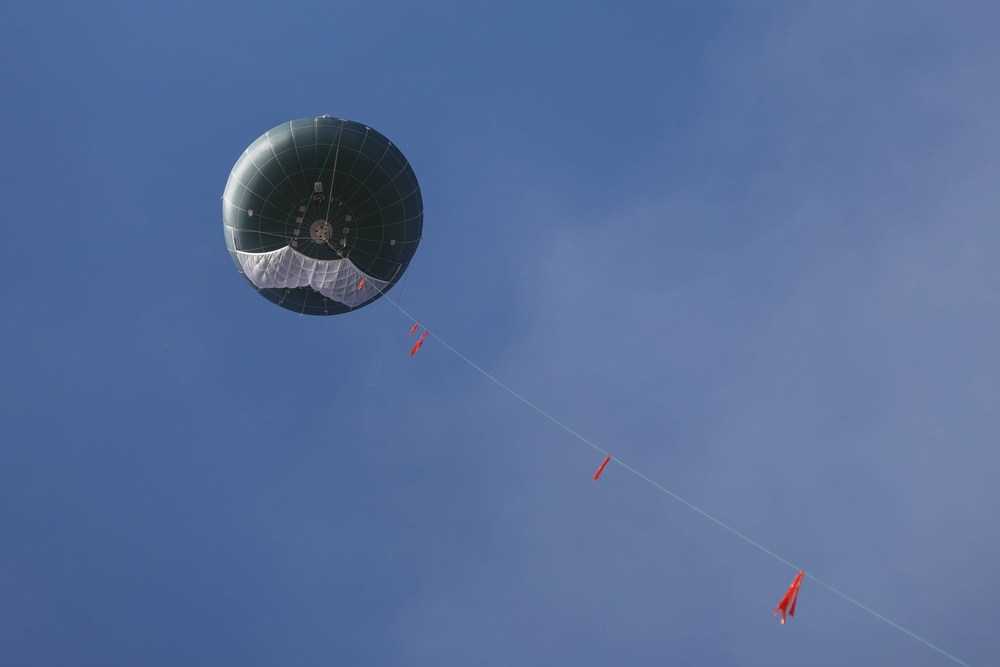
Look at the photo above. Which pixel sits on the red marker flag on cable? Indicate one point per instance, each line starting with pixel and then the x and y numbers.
pixel 420 341
pixel 415 325
pixel 791 597
pixel 597 474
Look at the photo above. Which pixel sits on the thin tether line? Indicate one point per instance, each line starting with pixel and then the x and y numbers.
pixel 388 332
pixel 676 497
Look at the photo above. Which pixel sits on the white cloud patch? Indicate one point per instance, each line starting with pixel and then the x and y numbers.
pixel 799 336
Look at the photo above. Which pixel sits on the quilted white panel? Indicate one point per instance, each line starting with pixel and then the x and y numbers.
pixel 336 279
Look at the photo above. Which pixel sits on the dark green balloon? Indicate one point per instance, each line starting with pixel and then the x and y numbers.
pixel 317 207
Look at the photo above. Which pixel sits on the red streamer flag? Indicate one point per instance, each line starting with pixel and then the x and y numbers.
pixel 420 341
pixel 415 325
pixel 361 284
pixel 597 474
pixel 791 597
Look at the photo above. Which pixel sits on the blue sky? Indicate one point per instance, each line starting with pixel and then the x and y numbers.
pixel 747 248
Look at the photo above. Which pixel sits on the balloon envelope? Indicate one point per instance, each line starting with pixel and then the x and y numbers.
pixel 322 215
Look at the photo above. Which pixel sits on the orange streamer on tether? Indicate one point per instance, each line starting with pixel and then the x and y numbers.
pixel 791 597
pixel 597 474
pixel 420 341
